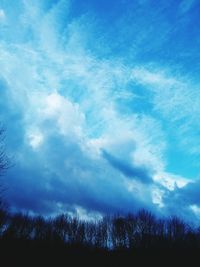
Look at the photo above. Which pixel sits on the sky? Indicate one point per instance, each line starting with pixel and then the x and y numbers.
pixel 100 100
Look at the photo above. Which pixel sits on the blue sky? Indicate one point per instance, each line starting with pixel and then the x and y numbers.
pixel 100 100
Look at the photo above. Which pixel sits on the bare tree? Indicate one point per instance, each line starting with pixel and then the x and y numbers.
pixel 146 224
pixel 61 227
pixel 177 229
pixel 119 233
pixel 4 165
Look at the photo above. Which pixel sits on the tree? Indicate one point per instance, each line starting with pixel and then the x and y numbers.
pixel 119 233
pixel 177 230
pixel 4 165
pixel 146 224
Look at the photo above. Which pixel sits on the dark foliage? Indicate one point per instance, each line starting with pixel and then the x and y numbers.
pixel 111 241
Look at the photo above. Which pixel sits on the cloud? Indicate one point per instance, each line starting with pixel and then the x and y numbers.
pixel 172 94
pixel 186 5
pixel 2 15
pixel 170 181
pixel 183 201
pixel 62 175
pixel 67 93
pixel 66 114
pixel 127 169
pixel 188 195
pixel 35 139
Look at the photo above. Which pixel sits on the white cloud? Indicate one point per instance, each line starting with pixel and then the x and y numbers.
pixel 157 195
pixel 35 139
pixel 67 115
pixel 176 99
pixel 152 77
pixel 196 210
pixel 2 16
pixel 170 180
pixel 83 214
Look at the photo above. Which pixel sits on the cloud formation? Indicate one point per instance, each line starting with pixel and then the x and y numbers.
pixel 94 118
pixel 127 169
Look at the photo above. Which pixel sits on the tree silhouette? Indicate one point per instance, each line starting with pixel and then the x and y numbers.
pixel 4 165
pixel 109 241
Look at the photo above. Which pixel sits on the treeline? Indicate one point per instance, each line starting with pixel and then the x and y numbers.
pixel 115 240
pixel 133 231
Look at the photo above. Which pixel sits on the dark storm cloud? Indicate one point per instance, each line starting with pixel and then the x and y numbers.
pixel 127 169
pixel 185 196
pixel 62 177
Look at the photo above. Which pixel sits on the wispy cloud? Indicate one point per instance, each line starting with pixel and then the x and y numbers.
pixel 2 15
pixel 186 5
pixel 176 99
pixel 67 103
